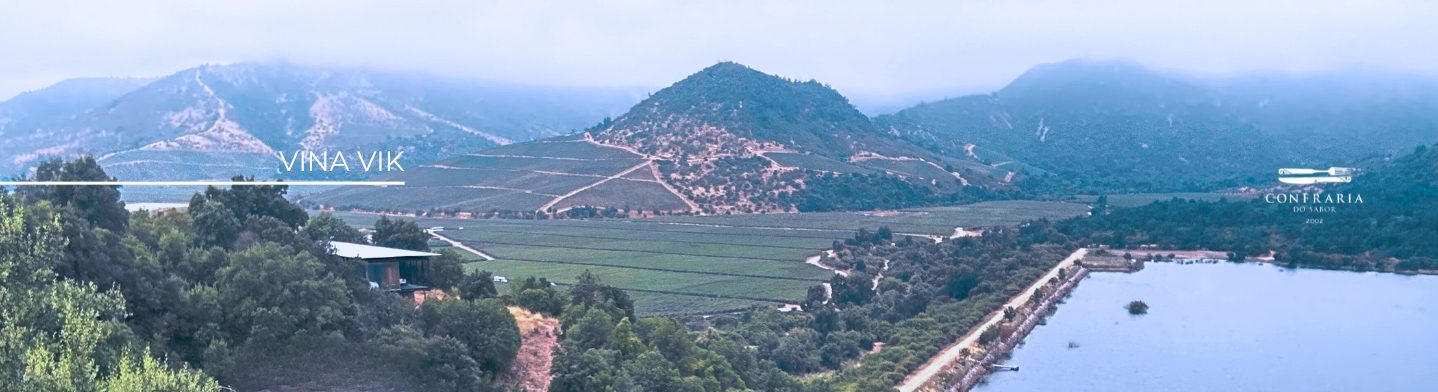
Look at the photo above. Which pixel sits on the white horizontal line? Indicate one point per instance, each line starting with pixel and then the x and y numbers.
pixel 211 183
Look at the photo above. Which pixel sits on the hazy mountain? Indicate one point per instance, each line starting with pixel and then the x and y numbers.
pixel 1338 117
pixel 217 121
pixel 725 139
pixel 61 102
pixel 1115 126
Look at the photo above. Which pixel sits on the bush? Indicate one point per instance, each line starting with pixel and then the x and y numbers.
pixel 1137 307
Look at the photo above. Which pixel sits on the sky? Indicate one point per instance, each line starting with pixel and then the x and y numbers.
pixel 874 50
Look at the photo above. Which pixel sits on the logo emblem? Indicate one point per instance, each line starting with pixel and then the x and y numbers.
pixel 1302 176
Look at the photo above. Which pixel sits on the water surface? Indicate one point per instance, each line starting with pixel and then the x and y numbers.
pixel 1235 327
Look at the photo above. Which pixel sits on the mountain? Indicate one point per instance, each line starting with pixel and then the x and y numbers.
pixel 61 102
pixel 218 121
pixel 1097 125
pixel 1338 117
pixel 1109 126
pixel 727 139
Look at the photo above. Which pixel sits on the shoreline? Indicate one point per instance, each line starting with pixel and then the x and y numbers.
pixel 978 369
pixel 942 363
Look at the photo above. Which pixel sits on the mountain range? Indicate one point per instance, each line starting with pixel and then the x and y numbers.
pixel 1109 126
pixel 218 121
pixel 729 138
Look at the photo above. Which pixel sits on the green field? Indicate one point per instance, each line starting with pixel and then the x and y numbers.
pixel 702 263
pixel 668 268
pixel 932 220
pixel 517 177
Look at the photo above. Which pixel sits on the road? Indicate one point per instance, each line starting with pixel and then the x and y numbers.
pixel 560 198
pixel 951 353
pixel 460 245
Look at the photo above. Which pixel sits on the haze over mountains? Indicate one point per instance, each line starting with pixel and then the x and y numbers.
pixel 728 139
pixel 1116 126
pixel 218 121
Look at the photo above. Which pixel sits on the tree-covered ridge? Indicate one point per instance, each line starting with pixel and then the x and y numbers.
pixel 1101 126
pixel 1392 230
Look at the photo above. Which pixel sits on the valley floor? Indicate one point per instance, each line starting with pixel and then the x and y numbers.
pixel 703 264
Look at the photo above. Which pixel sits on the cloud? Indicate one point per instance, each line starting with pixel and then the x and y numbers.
pixel 862 48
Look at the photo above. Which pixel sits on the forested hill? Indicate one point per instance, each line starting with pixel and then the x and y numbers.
pixel 1108 126
pixel 1097 125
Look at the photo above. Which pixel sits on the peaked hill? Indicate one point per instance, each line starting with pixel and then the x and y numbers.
pixel 728 139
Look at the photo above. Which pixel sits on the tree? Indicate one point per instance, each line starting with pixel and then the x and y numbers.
pixel 584 371
pixel 798 352
pixel 1137 307
pixel 477 284
pixel 484 326
pixel 538 295
pixel 326 227
pixel 651 372
pixel 99 205
pixel 272 293
pixel 254 200
pixel 625 341
pixel 445 271
pixel 589 292
pixel 591 331
pixel 267 229
pixel 400 233
pixel 62 335
pixel 214 224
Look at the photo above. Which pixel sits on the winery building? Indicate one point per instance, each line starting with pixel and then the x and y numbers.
pixel 388 269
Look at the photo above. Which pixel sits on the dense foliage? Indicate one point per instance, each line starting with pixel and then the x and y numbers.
pixel 1392 230
pixel 240 281
pixel 63 334
pixel 928 295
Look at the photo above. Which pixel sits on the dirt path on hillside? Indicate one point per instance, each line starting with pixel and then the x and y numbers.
pixel 461 245
pixel 539 335
pixel 951 353
pixel 623 173
pixel 879 276
pixel 654 169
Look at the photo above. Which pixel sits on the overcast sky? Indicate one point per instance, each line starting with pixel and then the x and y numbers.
pixel 869 48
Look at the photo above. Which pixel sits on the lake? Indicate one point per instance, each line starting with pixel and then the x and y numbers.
pixel 1235 327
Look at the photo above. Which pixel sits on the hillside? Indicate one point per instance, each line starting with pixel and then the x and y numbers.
pixel 728 139
pixel 218 121
pixel 1119 127
pixel 1107 126
pixel 1339 117
pixel 61 102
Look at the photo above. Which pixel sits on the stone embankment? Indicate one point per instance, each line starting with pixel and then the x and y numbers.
pixel 974 367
